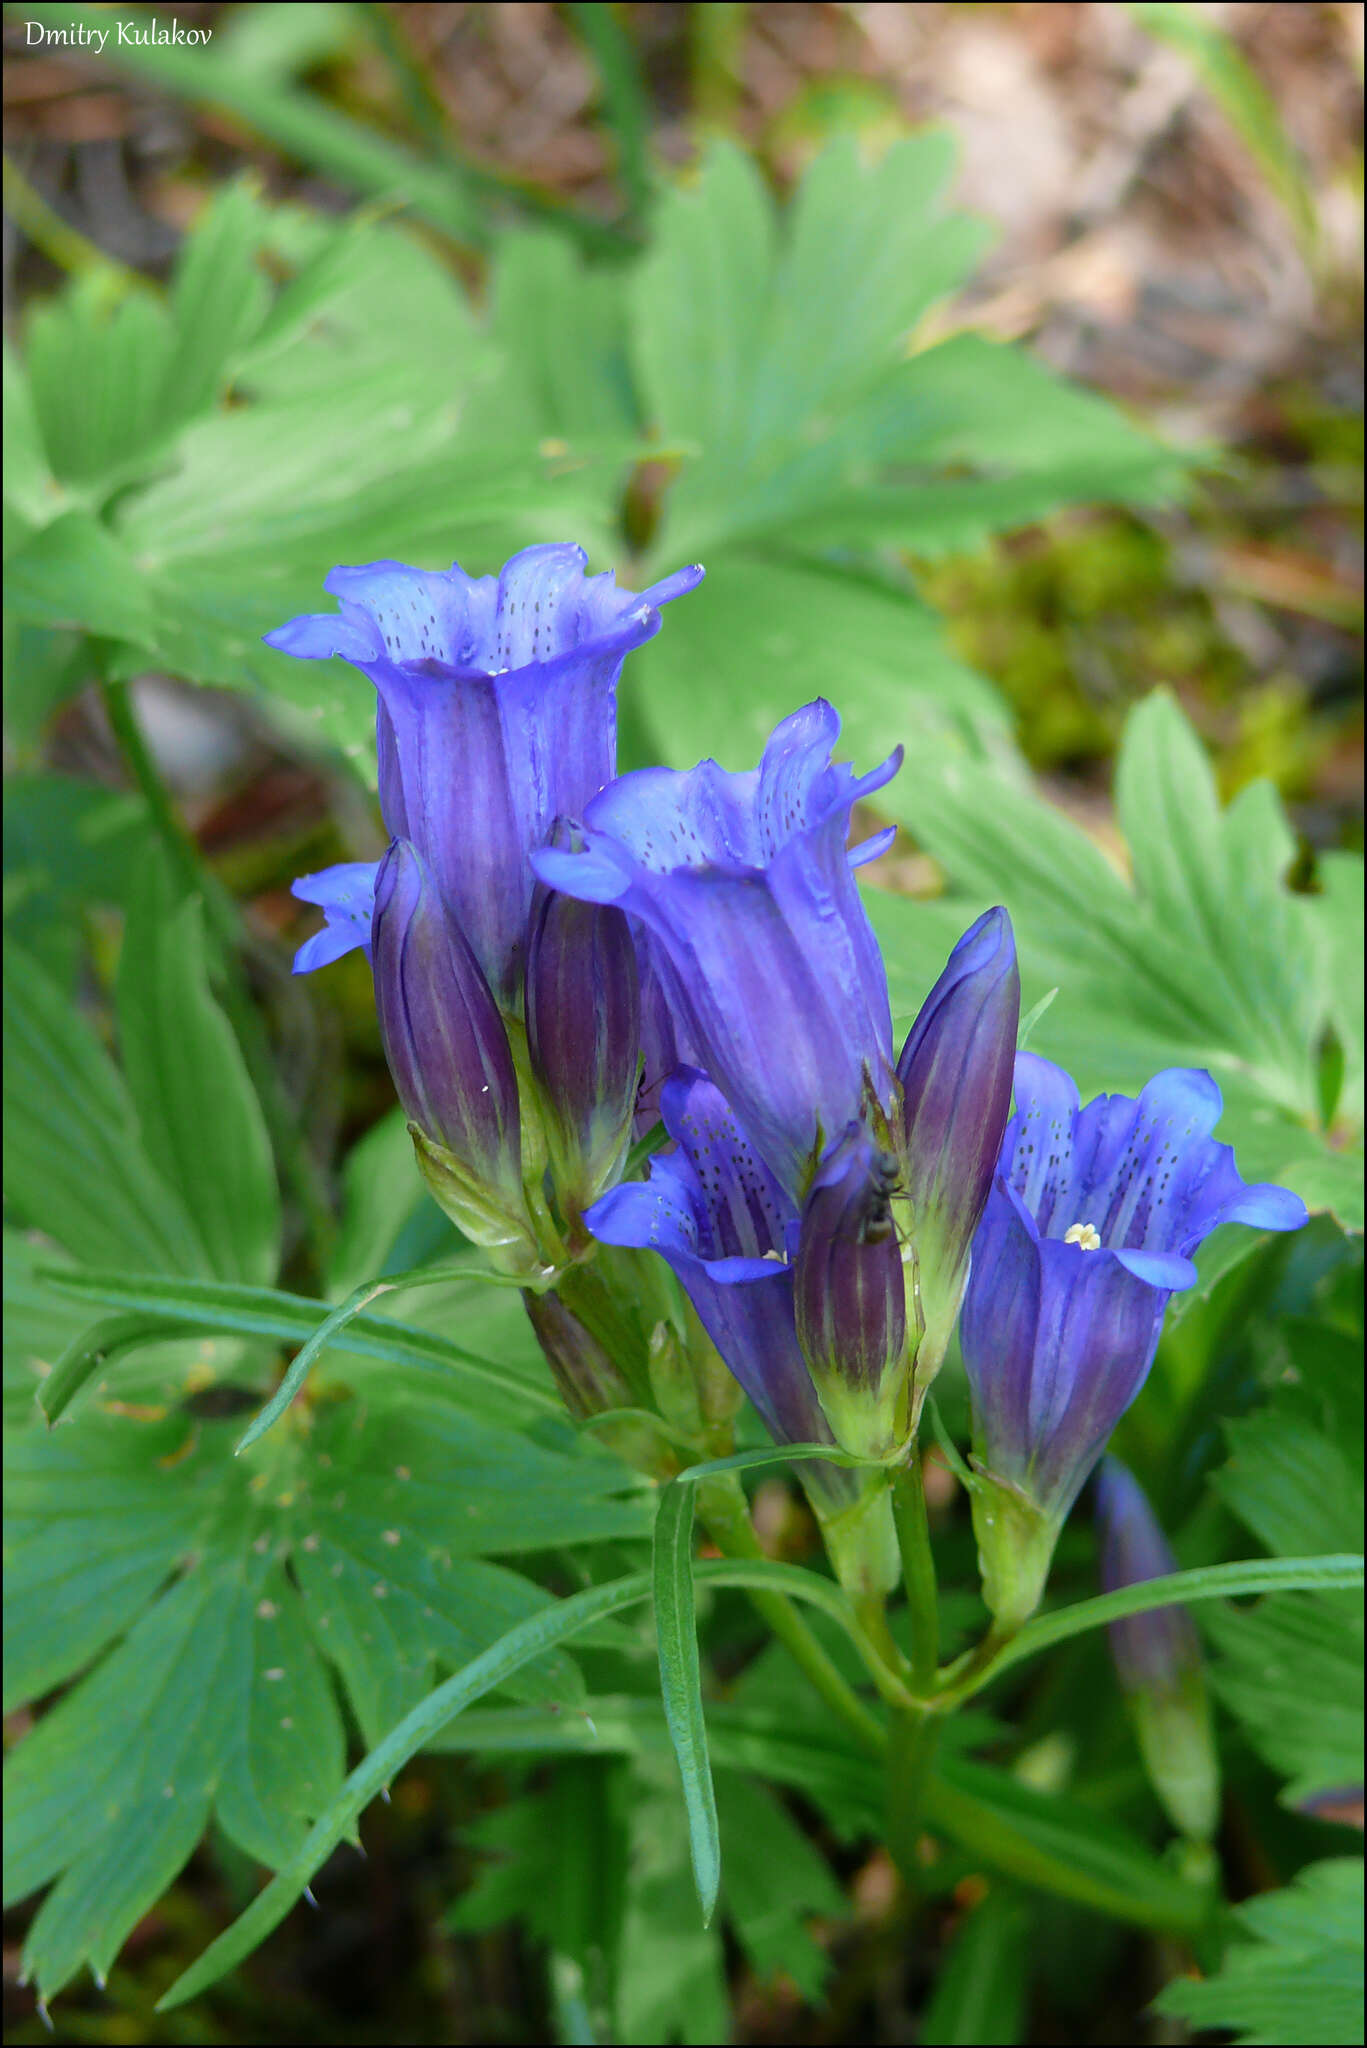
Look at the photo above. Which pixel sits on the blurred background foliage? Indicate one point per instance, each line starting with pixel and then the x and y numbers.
pixel 446 279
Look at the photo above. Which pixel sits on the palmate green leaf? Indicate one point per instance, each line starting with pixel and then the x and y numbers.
pixel 672 1978
pixel 562 328
pixel 69 845
pixel 37 1328
pixel 337 450
pixel 767 632
pixel 1291 1671
pixel 775 1881
pixel 1300 1979
pixel 114 379
pixel 387 1519
pixel 200 1120
pixel 1206 960
pixel 75 1166
pixel 1025 1833
pixel 557 1861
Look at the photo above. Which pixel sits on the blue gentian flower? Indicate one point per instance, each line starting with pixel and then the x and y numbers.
pixel 1087 1232
pixel 716 1213
pixel 1158 1659
pixel 744 885
pixel 497 715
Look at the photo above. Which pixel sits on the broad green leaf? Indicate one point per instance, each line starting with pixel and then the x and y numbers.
pixel 1292 1670
pixel 38 1326
pixel 97 367
pixel 681 1685
pixel 672 1984
pixel 557 1860
pixel 1299 1979
pixel 1206 959
pixel 791 630
pixel 563 330
pixel 200 1119
pixel 980 1993
pixel 387 1521
pixel 75 1166
pixel 218 301
pixel 76 573
pixel 774 1882
pixel 381 1189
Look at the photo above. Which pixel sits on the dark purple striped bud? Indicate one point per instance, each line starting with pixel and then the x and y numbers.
pixel 583 1006
pixel 955 1070
pixel 589 1382
pixel 448 1053
pixel 850 1297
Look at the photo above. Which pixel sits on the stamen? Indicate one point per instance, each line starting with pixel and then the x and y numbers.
pixel 1084 1236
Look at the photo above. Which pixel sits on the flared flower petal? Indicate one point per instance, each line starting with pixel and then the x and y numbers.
pixel 1088 1230
pixel 766 953
pixel 346 896
pixel 497 714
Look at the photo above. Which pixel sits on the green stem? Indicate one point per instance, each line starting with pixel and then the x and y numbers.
pixel 724 1515
pixel 918 1571
pixel 911 1754
pixel 300 1169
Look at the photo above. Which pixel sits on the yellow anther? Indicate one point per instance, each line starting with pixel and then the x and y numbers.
pixel 1084 1236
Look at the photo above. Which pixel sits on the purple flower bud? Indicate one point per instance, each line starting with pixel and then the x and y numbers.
pixel 1086 1233
pixel 850 1299
pixel 589 1382
pixel 955 1070
pixel 583 1010
pixel 448 1053
pixel 1158 1659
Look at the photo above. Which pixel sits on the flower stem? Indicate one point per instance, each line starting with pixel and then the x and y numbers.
pixel 723 1512
pixel 918 1570
pixel 911 1754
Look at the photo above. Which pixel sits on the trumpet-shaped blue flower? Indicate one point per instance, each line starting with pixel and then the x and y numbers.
pixel 1087 1232
pixel 1158 1659
pixel 716 1213
pixel 744 884
pixel 497 714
